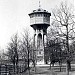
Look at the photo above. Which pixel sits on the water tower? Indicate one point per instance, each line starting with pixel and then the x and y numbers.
pixel 39 21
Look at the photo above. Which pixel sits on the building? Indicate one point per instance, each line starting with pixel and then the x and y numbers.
pixel 39 21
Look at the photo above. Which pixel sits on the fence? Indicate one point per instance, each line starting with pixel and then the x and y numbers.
pixel 9 69
pixel 3 70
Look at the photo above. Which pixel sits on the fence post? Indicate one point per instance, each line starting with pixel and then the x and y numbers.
pixel 0 69
pixel 6 68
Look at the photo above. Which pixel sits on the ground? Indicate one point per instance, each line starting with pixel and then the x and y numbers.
pixel 44 70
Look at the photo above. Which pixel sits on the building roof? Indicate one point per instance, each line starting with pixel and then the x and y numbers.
pixel 40 10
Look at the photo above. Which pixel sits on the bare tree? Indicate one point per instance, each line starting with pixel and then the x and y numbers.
pixel 54 48
pixel 54 45
pixel 63 20
pixel 26 46
pixel 13 51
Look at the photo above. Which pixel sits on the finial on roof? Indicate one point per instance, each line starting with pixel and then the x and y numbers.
pixel 39 4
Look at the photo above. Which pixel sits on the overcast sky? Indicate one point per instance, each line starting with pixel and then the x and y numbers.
pixel 14 15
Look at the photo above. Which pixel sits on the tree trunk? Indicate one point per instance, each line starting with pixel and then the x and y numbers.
pixel 14 68
pixel 50 65
pixel 17 68
pixel 60 64
pixel 68 67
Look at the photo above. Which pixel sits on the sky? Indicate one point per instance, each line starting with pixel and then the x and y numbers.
pixel 14 16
